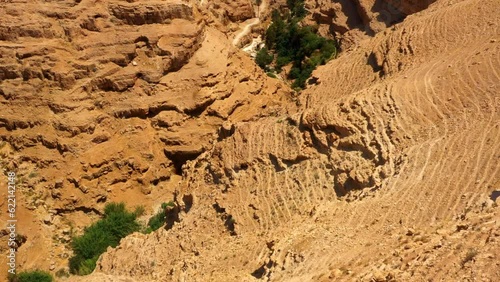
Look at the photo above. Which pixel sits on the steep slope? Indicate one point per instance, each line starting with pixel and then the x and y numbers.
pixel 397 139
pixel 105 101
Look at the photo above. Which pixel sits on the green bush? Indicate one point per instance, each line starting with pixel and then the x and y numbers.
pixel 297 8
pixel 156 221
pixel 294 43
pixel 108 231
pixel 159 219
pixel 31 276
pixel 282 61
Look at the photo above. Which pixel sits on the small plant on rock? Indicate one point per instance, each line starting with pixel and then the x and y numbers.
pixel 31 276
pixel 117 223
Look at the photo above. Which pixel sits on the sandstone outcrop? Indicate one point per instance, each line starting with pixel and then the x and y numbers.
pixel 383 169
pixel 351 21
pixel 232 11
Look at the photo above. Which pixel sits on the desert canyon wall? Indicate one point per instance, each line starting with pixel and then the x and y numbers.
pixel 380 170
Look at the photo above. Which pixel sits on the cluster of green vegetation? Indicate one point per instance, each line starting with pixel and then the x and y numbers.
pixel 117 223
pixel 469 256
pixel 31 276
pixel 288 41
pixel 158 220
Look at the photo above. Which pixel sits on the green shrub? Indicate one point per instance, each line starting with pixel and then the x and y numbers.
pixel 139 210
pixel 108 231
pixel 469 256
pixel 159 219
pixel 156 221
pixel 294 43
pixel 282 61
pixel 31 276
pixel 62 273
pixel 169 204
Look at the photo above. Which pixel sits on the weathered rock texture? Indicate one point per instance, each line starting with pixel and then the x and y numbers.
pixel 380 171
pixel 382 174
pixel 106 101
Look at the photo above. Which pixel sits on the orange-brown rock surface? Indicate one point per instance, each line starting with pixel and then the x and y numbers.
pixel 106 100
pixel 352 21
pixel 381 170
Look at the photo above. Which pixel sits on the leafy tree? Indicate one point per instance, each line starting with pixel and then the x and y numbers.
pixel 270 74
pixel 282 61
pixel 31 276
pixel 263 58
pixel 328 50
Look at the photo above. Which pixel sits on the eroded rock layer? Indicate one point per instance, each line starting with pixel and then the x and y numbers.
pixel 392 152
pixel 383 169
pixel 106 101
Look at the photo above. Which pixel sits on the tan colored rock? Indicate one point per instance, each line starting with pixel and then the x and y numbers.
pixel 234 11
pixel 161 12
pixel 353 21
pixel 267 183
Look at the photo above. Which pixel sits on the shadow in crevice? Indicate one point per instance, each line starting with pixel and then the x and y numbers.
pixel 349 8
pixel 494 195
pixel 179 158
pixel 342 189
pixel 392 12
pixel 376 66
pixel 229 220
pixel 188 202
pixel 277 166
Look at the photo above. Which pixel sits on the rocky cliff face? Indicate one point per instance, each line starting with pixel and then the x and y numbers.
pixel 379 171
pixel 107 100
pixel 232 11
pixel 351 21
pixel 362 180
